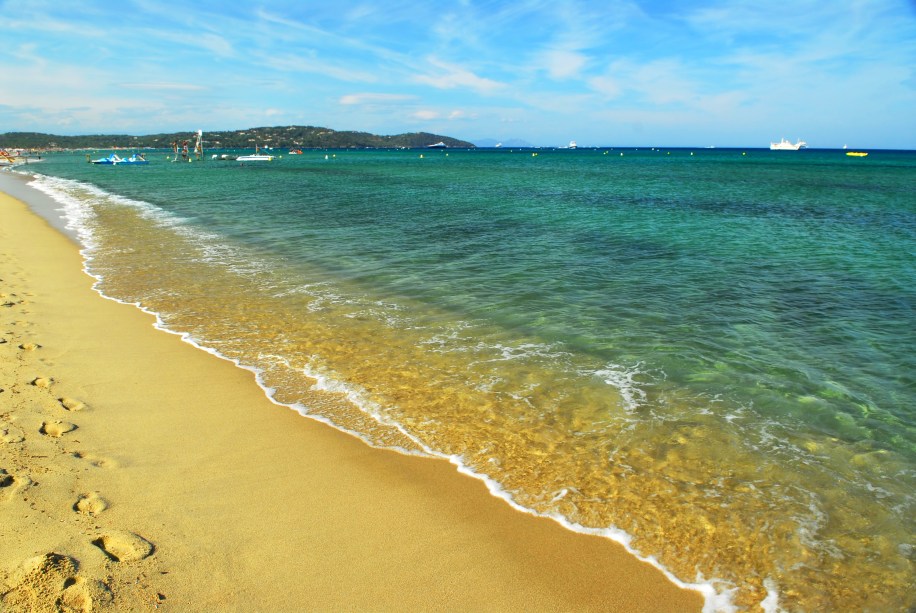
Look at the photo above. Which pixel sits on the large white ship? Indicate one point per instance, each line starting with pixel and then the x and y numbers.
pixel 785 145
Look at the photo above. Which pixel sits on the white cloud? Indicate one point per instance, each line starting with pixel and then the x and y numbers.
pixel 665 82
pixel 361 11
pixel 309 62
pixel 659 82
pixel 367 98
pixel 563 63
pixel 574 104
pixel 451 76
pixel 163 86
pixel 47 24
pixel 433 115
pixel 213 44
pixel 451 29
pixel 608 87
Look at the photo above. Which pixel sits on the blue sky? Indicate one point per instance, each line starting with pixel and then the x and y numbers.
pixel 604 73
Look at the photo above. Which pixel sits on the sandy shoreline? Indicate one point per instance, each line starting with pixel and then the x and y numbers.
pixel 137 472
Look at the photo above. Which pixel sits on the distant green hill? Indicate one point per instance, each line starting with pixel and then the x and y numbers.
pixel 280 137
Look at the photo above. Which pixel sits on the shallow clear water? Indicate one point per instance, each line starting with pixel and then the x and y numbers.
pixel 710 351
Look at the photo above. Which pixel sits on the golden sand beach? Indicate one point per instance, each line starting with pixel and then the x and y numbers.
pixel 138 472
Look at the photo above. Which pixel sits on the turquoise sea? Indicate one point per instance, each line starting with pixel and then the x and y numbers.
pixel 707 354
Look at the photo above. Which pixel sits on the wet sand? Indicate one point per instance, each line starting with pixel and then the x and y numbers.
pixel 139 472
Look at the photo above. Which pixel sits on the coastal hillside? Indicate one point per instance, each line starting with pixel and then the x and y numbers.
pixel 278 137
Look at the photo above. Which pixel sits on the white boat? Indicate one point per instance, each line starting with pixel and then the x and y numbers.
pixel 256 157
pixel 785 145
pixel 572 144
pixel 439 145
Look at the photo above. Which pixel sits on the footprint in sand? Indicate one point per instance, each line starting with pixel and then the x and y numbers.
pixel 71 404
pixel 7 483
pixel 29 346
pixel 122 546
pixel 42 382
pixel 98 461
pixel 11 434
pixel 56 429
pixel 76 596
pixel 49 583
pixel 6 479
pixel 10 484
pixel 90 504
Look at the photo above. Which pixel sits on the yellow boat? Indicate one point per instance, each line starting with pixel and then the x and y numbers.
pixel 856 154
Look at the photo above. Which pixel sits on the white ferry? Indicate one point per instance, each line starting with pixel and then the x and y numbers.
pixel 785 145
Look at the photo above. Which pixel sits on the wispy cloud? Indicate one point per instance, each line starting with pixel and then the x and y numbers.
pixel 312 63
pixel 608 87
pixel 367 98
pixel 563 63
pixel 445 75
pixel 440 115
pixel 214 45
pixel 162 86
pixel 44 23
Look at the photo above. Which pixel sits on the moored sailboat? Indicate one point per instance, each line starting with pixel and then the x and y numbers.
pixel 256 157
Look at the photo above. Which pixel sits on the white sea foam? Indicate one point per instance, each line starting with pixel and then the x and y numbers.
pixel 624 379
pixel 77 197
pixel 446 340
pixel 325 381
pixel 523 351
pixel 770 604
pixel 74 210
